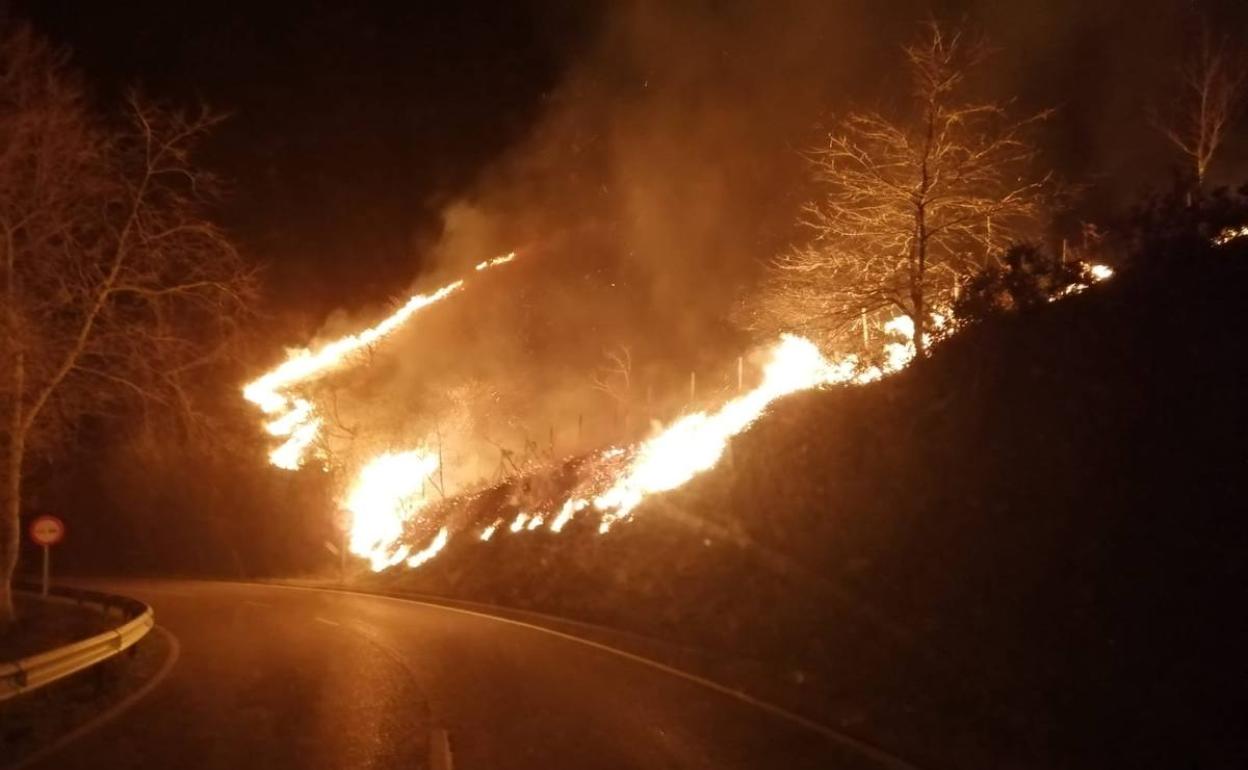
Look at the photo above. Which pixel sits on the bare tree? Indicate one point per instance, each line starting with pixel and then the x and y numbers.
pixel 1212 86
pixel 615 379
pixel 909 205
pixel 117 292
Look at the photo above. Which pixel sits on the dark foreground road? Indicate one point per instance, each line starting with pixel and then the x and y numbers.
pixel 271 677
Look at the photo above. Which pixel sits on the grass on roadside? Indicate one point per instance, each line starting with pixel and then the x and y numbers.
pixel 43 625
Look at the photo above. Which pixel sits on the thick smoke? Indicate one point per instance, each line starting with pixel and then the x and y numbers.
pixel 665 172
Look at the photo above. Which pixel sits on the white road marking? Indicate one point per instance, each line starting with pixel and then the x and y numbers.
pixel 875 753
pixel 175 650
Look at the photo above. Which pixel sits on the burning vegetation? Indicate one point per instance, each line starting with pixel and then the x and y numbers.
pixel 913 205
pixel 388 493
pixel 919 224
pixel 294 417
pixel 678 391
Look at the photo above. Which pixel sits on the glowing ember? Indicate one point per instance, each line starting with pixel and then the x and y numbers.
pixel 384 498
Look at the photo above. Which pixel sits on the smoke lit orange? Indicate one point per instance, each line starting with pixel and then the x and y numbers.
pixel 387 495
pixel 295 418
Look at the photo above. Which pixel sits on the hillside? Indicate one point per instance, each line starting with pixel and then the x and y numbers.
pixel 1025 551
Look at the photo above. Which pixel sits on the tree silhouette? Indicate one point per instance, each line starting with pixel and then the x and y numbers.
pixel 116 290
pixel 1209 99
pixel 910 205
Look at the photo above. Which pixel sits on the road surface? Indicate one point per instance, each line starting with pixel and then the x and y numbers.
pixel 274 678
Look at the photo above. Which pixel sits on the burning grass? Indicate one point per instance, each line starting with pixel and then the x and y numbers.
pixel 985 561
pixel 388 494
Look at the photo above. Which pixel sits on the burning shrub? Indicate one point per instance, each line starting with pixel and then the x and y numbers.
pixel 1025 277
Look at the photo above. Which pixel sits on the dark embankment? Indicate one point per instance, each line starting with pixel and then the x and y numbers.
pixel 1028 550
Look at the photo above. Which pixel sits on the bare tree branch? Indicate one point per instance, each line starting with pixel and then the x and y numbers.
pixel 910 204
pixel 615 378
pixel 1209 101
pixel 115 285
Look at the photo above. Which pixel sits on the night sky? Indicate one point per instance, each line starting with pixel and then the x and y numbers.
pixel 355 125
pixel 351 125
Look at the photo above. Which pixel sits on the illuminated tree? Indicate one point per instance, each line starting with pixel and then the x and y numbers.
pixel 1212 85
pixel 615 379
pixel 116 294
pixel 909 205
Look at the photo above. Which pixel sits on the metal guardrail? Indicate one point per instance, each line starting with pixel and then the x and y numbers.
pixel 35 671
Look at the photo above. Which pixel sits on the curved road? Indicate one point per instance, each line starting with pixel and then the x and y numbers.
pixel 272 677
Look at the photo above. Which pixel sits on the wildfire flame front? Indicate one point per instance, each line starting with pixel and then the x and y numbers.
pixel 386 497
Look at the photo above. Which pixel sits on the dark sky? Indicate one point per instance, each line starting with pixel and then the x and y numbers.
pixel 644 155
pixel 355 124
pixel 352 123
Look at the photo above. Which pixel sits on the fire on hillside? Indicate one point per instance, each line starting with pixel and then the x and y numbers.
pixel 387 492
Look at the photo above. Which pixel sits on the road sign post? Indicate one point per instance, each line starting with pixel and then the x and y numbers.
pixel 46 531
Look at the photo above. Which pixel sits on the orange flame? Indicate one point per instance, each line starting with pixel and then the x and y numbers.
pixel 496 261
pixel 383 499
pixel 295 416
pixel 695 443
pixel 1229 234
pixel 489 531
pixel 431 550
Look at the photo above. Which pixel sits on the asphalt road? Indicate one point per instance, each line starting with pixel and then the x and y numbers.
pixel 271 677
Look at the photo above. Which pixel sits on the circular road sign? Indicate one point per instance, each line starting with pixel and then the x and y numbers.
pixel 47 530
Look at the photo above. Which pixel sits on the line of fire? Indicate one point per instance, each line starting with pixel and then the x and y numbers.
pixel 387 498
pixel 623 385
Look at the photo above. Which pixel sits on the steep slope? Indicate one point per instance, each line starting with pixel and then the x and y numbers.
pixel 1026 550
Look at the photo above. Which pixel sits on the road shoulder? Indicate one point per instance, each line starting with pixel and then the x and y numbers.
pixel 33 727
